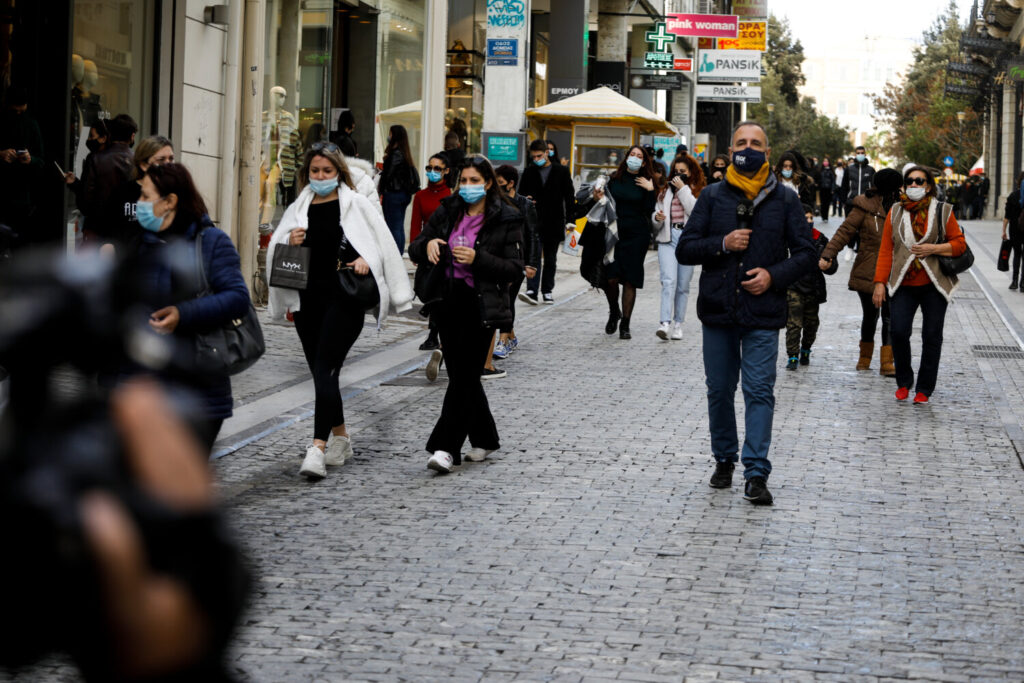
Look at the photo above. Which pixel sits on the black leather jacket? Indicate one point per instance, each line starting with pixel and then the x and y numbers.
pixel 498 260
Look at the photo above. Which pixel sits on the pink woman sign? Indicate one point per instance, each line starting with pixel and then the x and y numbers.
pixel 703 25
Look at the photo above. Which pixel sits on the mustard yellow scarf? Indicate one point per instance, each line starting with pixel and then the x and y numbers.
pixel 749 186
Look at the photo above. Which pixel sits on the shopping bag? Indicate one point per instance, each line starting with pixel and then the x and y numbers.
pixel 572 237
pixel 1003 263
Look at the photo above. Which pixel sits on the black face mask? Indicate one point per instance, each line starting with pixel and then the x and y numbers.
pixel 93 145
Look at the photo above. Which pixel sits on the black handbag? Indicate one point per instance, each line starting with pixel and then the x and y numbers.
pixel 1005 248
pixel 290 267
pixel 360 290
pixel 952 266
pixel 231 348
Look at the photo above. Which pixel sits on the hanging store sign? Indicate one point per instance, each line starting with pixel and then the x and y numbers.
pixel 707 44
pixel 683 65
pixel 670 81
pixel 602 136
pixel 658 60
pixel 753 36
pixel 729 66
pixel 729 93
pixel 703 25
pixel 750 8
pixel 502 52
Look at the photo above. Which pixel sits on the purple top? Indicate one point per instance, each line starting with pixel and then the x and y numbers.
pixel 468 227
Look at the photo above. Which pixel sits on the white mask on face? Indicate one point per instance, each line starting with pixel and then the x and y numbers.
pixel 916 194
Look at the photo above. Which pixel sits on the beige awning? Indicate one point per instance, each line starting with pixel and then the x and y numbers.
pixel 602 105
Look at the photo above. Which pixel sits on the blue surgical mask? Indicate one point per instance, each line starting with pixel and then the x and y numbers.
pixel 861 158
pixel 144 215
pixel 748 160
pixel 634 163
pixel 787 173
pixel 540 162
pixel 323 187
pixel 471 194
pixel 551 153
pixel 433 176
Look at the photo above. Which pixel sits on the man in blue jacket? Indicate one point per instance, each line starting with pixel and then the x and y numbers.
pixel 750 236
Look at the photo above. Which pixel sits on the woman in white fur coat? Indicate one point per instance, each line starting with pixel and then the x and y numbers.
pixel 340 226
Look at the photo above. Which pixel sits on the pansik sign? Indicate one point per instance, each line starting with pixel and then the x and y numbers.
pixel 703 25
pixel 729 65
pixel 753 36
pixel 729 93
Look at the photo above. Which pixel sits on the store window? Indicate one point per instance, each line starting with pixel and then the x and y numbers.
pixel 111 67
pixel 464 82
pixel 296 93
pixel 400 71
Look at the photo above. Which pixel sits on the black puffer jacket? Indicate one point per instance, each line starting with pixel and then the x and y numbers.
pixel 398 175
pixel 498 260
pixel 813 283
pixel 531 231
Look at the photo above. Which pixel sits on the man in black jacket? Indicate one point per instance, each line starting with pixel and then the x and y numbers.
pixel 111 168
pixel 858 177
pixel 550 187
pixel 752 241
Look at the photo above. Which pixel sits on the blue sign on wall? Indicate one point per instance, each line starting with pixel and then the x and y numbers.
pixel 502 52
pixel 503 148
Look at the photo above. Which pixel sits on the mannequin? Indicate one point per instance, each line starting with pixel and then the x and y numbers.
pixel 77 76
pixel 89 106
pixel 282 148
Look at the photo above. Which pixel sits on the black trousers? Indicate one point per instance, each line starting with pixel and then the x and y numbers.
pixel 545 276
pixel 904 307
pixel 206 431
pixel 513 294
pixel 826 202
pixel 1016 246
pixel 327 327
pixel 869 323
pixel 465 412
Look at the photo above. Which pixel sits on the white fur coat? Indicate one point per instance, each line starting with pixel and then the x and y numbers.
pixel 366 230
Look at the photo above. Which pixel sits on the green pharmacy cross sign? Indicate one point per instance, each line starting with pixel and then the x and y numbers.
pixel 660 37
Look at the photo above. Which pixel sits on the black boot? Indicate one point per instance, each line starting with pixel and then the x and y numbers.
pixel 1013 285
pixel 624 329
pixel 431 343
pixel 613 321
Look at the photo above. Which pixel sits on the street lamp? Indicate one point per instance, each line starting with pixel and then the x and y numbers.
pixel 960 116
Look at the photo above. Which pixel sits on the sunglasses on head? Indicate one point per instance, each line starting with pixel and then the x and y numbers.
pixel 324 147
pixel 916 181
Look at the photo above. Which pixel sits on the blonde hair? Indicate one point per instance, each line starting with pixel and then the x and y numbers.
pixel 144 151
pixel 331 152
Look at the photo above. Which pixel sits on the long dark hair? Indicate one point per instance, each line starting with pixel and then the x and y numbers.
pixel 175 179
pixel 400 141
pixel 696 181
pixel 646 171
pixel 495 197
pixel 555 159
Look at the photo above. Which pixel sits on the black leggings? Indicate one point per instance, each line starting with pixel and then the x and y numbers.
pixel 465 412
pixel 327 327
pixel 870 321
pixel 513 294
pixel 1016 245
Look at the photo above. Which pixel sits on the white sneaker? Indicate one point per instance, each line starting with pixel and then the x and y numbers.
pixel 313 464
pixel 441 461
pixel 663 331
pixel 478 454
pixel 677 331
pixel 339 450
pixel 434 364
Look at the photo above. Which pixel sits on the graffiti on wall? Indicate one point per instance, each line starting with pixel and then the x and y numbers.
pixel 506 13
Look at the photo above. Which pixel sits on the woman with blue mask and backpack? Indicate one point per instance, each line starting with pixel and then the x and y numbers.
pixel 474 241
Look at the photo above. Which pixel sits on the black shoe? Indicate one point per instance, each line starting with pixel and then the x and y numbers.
pixel 1013 285
pixel 792 363
pixel 805 356
pixel 722 478
pixel 757 491
pixel 430 344
pixel 529 297
pixel 624 329
pixel 613 322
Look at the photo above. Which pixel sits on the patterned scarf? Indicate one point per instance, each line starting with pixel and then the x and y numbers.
pixel 918 221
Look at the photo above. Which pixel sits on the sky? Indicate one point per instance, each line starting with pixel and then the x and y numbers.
pixel 817 23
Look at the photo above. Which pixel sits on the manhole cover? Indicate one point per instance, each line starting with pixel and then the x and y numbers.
pixel 989 351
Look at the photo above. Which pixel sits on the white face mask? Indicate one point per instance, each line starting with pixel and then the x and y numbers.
pixel 915 194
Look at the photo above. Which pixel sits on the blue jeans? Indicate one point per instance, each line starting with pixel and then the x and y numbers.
pixel 728 351
pixel 394 206
pixel 675 281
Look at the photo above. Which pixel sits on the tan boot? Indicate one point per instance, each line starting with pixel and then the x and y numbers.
pixel 888 368
pixel 867 349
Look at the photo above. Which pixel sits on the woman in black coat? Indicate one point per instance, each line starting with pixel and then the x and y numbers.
pixel 1012 227
pixel 399 181
pixel 474 240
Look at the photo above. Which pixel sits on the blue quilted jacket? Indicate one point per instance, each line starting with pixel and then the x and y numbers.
pixel 780 242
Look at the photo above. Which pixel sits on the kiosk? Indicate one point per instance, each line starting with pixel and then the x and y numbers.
pixel 604 125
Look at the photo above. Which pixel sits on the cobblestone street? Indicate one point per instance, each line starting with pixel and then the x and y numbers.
pixel 591 548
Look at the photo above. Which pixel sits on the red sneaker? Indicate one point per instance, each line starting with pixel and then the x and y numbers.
pixel 902 393
pixel 920 398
